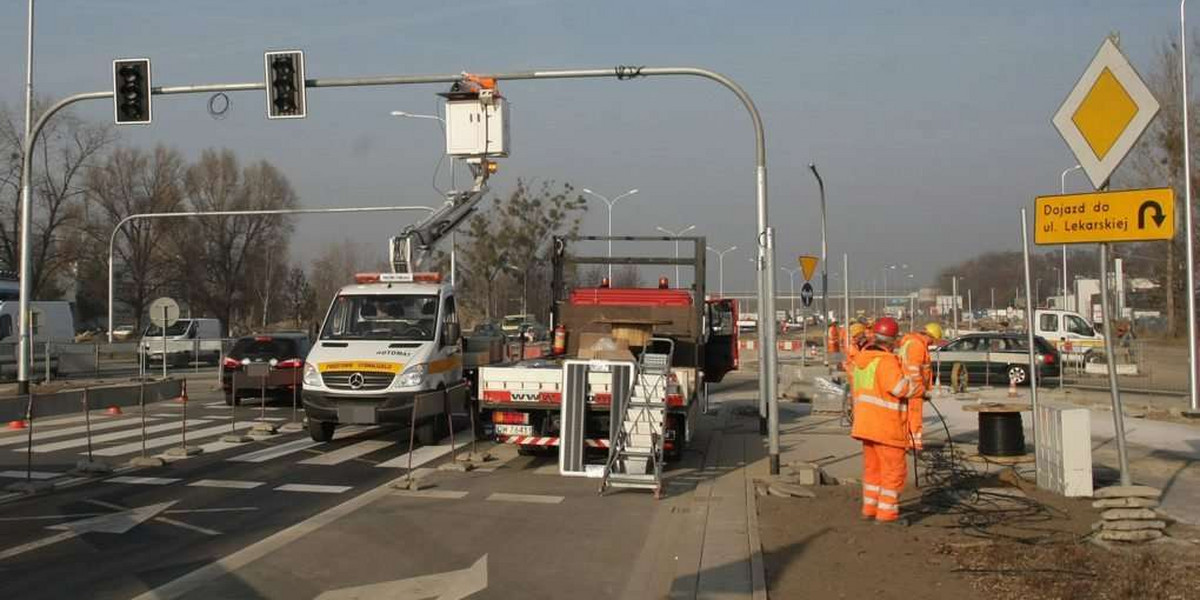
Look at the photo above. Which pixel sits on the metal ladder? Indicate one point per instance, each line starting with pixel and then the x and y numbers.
pixel 635 456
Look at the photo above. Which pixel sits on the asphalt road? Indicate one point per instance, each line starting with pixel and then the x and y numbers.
pixel 245 520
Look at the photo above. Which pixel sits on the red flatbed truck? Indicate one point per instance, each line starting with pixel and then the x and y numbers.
pixel 520 404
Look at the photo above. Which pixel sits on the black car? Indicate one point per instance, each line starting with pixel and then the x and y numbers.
pixel 281 355
pixel 996 358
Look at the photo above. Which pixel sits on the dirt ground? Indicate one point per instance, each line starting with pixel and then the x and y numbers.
pixel 963 546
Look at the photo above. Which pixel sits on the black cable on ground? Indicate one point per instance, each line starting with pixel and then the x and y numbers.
pixel 953 488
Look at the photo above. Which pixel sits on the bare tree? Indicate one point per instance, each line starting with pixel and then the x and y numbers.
pixel 68 145
pixel 335 267
pixel 131 182
pixel 227 249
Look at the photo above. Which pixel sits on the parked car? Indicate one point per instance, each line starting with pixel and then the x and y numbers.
pixel 997 358
pixel 123 333
pixel 187 341
pixel 512 323
pixel 283 354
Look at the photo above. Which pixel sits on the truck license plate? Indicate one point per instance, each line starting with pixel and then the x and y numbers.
pixel 514 429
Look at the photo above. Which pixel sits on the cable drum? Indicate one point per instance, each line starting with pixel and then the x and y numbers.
pixel 1001 434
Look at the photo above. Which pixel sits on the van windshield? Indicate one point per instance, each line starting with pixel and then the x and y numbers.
pixel 179 328
pixel 382 317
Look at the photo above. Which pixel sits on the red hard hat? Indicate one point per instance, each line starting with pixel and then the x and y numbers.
pixel 886 328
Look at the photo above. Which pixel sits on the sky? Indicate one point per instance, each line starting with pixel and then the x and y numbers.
pixel 929 120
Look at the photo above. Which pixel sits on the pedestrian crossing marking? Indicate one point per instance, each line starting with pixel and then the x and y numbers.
pixel 32 474
pixel 55 433
pixel 232 484
pixel 167 440
pixel 341 455
pixel 313 488
pixel 143 480
pixel 109 437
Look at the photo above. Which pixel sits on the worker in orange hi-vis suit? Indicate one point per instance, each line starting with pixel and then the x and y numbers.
pixel 857 339
pixel 913 351
pixel 833 339
pixel 881 389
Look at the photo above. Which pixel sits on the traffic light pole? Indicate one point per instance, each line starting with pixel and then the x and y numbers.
pixel 765 237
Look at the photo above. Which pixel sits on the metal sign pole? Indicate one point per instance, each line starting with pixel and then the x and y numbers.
pixel 1189 233
pixel 1033 380
pixel 1110 359
pixel 163 330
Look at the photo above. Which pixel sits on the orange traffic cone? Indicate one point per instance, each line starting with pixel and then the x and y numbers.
pixel 17 424
pixel 113 411
pixel 1012 388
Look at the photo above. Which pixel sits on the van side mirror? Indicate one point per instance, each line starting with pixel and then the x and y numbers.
pixel 450 333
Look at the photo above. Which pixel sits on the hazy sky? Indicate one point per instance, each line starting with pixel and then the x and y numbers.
pixel 929 120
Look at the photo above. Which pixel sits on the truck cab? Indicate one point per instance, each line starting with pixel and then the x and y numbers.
pixel 1075 338
pixel 385 340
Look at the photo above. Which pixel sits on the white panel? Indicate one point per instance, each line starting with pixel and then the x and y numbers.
pixel 1064 451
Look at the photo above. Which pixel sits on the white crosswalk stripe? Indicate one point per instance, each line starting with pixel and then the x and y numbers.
pixel 425 454
pixel 97 425
pixel 32 474
pixel 276 451
pixel 142 480
pixel 353 451
pixel 232 484
pixel 168 440
pixel 80 442
pixel 313 488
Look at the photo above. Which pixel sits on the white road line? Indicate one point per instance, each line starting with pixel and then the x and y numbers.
pixel 272 452
pixel 222 567
pixel 438 494
pixel 425 454
pixel 98 424
pixel 97 415
pixel 313 488
pixel 205 449
pixel 215 404
pixel 108 437
pixel 531 498
pixel 142 480
pixel 32 474
pixel 231 484
pixel 353 451
pixel 173 438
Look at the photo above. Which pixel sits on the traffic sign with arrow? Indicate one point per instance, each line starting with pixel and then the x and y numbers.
pixel 451 585
pixel 1125 216
pixel 118 522
pixel 806 294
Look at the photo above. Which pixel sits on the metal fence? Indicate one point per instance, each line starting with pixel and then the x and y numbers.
pixel 54 361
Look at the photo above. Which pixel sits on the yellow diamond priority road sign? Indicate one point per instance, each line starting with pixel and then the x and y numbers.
pixel 1125 216
pixel 1106 113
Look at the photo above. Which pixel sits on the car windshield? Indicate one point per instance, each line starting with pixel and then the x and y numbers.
pixel 382 317
pixel 265 348
pixel 179 328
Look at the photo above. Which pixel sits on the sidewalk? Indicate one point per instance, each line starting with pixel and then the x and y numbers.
pixel 1161 454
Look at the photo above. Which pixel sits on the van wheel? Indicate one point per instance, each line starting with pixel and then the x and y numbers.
pixel 320 431
pixel 1017 374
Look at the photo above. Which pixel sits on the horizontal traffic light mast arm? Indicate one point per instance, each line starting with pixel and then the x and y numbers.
pixel 112 239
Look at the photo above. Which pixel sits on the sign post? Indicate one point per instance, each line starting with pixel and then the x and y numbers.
pixel 164 312
pixel 1101 120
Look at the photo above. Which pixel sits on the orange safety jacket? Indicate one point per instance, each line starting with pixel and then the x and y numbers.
pixel 918 366
pixel 880 389
pixel 833 339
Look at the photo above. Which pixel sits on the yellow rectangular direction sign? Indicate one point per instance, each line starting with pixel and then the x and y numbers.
pixel 1125 216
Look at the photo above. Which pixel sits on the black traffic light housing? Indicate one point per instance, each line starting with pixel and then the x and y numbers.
pixel 285 84
pixel 131 91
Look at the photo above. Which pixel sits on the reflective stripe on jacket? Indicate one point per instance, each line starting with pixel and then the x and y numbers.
pixel 880 389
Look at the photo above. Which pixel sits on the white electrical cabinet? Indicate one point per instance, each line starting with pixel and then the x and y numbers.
pixel 1064 449
pixel 475 129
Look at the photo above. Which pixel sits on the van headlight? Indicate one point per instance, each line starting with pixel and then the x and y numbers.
pixel 412 376
pixel 312 377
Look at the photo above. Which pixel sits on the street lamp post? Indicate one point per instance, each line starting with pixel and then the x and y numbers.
pixel 610 204
pixel 824 249
pixel 453 234
pixel 1189 233
pixel 721 265
pixel 524 289
pixel 676 234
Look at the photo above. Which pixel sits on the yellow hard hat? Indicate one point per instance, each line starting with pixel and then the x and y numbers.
pixel 857 329
pixel 934 330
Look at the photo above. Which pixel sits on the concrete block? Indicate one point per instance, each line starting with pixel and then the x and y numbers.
pixel 788 490
pixel 235 438
pixel 182 451
pixel 1133 525
pixel 412 484
pixel 1128 491
pixel 291 427
pixel 1125 503
pixel 456 465
pixel 147 461
pixel 1120 514
pixel 805 473
pixel 1145 535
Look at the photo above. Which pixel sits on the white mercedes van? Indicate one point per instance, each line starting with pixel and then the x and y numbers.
pixel 385 340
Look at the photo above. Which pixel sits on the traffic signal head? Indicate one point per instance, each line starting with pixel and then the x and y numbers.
pixel 131 90
pixel 285 85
